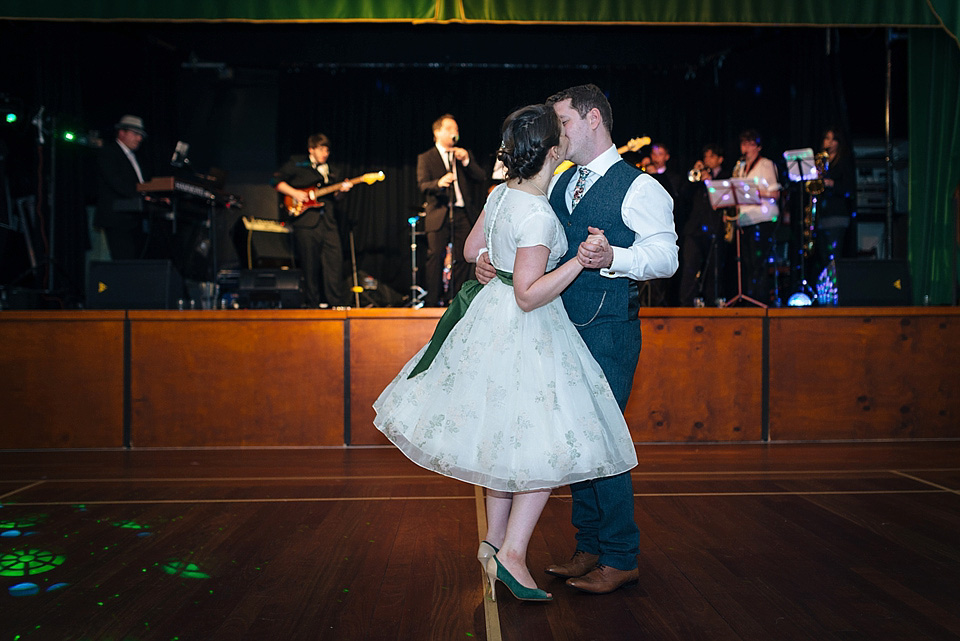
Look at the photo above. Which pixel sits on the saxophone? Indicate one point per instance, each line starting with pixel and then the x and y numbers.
pixel 814 187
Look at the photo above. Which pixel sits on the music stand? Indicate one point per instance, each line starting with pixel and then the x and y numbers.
pixel 800 164
pixel 801 167
pixel 732 192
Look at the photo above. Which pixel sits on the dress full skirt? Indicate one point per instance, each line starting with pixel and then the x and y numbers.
pixel 513 401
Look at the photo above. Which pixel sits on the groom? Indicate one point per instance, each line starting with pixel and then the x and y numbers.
pixel 602 192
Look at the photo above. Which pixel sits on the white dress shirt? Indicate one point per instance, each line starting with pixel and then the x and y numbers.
pixel 132 159
pixel 764 173
pixel 451 164
pixel 647 210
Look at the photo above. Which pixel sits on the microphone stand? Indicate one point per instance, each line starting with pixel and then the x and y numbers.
pixel 448 260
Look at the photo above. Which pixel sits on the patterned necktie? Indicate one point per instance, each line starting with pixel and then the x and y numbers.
pixel 579 188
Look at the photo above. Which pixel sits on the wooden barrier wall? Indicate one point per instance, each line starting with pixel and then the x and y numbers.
pixel 308 378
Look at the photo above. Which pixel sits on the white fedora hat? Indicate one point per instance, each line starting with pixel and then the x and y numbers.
pixel 133 123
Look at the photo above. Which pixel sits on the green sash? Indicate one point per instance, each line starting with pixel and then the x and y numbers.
pixel 455 311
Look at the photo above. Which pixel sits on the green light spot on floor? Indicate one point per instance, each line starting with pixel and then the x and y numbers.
pixel 26 562
pixel 186 570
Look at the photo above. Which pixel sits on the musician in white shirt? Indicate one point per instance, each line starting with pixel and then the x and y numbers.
pixel 757 222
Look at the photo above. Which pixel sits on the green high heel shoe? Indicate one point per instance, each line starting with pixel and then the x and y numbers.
pixel 496 572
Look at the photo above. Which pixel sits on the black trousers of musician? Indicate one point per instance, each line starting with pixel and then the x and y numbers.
pixel 698 260
pixel 125 236
pixel 319 256
pixel 125 244
pixel 756 250
pixel 436 252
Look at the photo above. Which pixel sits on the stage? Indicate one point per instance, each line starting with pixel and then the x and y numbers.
pixel 299 378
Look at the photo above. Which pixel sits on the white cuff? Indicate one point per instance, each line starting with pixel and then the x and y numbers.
pixel 621 263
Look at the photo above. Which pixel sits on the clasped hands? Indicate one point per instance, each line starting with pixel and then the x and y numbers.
pixel 594 253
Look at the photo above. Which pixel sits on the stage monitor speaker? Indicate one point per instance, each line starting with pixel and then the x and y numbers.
pixel 133 284
pixel 270 288
pixel 873 283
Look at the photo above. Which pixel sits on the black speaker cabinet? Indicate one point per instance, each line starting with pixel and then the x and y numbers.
pixel 270 288
pixel 133 284
pixel 873 283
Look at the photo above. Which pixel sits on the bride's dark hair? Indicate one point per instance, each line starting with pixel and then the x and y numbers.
pixel 528 133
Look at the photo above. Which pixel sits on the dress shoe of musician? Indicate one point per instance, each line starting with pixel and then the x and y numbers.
pixel 604 579
pixel 581 563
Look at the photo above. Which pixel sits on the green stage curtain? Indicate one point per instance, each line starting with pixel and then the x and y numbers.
pixel 934 163
pixel 760 12
pixel 947 14
pixel 729 12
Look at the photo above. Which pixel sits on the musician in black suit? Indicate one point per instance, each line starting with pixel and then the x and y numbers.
pixel 448 176
pixel 704 248
pixel 119 206
pixel 315 232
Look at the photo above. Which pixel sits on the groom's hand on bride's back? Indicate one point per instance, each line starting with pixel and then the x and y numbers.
pixel 485 270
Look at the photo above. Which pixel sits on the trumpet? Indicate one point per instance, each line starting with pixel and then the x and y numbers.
pixel 697 174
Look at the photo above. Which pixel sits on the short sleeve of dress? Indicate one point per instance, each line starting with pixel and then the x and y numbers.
pixel 538 228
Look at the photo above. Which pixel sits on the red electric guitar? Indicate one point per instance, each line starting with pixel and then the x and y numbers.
pixel 316 193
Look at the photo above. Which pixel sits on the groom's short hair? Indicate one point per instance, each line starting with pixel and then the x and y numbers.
pixel 583 98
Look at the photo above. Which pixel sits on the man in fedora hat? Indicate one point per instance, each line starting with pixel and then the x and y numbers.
pixel 119 207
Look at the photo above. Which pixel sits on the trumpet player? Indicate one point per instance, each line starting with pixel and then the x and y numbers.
pixel 656 166
pixel 756 222
pixel 702 255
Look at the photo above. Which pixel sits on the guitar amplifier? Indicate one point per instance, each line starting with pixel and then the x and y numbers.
pixel 270 289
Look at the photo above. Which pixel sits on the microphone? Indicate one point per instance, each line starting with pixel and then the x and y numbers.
pixel 38 123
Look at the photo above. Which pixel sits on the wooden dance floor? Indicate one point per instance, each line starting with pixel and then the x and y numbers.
pixel 740 541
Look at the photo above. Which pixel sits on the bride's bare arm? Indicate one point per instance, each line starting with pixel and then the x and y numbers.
pixel 532 286
pixel 475 240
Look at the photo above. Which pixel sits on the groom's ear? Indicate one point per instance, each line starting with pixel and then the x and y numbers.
pixel 594 119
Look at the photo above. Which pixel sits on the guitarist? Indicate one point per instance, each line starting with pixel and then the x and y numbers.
pixel 448 176
pixel 315 232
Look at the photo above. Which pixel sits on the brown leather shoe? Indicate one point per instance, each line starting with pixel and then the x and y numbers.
pixel 604 579
pixel 581 563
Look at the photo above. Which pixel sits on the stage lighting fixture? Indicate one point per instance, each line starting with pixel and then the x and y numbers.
pixel 799 300
pixel 11 109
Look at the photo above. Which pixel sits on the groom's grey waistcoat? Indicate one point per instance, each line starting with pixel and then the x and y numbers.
pixel 593 298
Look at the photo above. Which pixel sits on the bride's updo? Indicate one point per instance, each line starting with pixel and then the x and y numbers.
pixel 528 133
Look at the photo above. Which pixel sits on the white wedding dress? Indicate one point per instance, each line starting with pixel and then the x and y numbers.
pixel 513 400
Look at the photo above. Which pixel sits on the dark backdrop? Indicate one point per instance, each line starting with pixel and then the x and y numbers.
pixel 246 96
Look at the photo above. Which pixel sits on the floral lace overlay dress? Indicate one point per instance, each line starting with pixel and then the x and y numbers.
pixel 513 401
